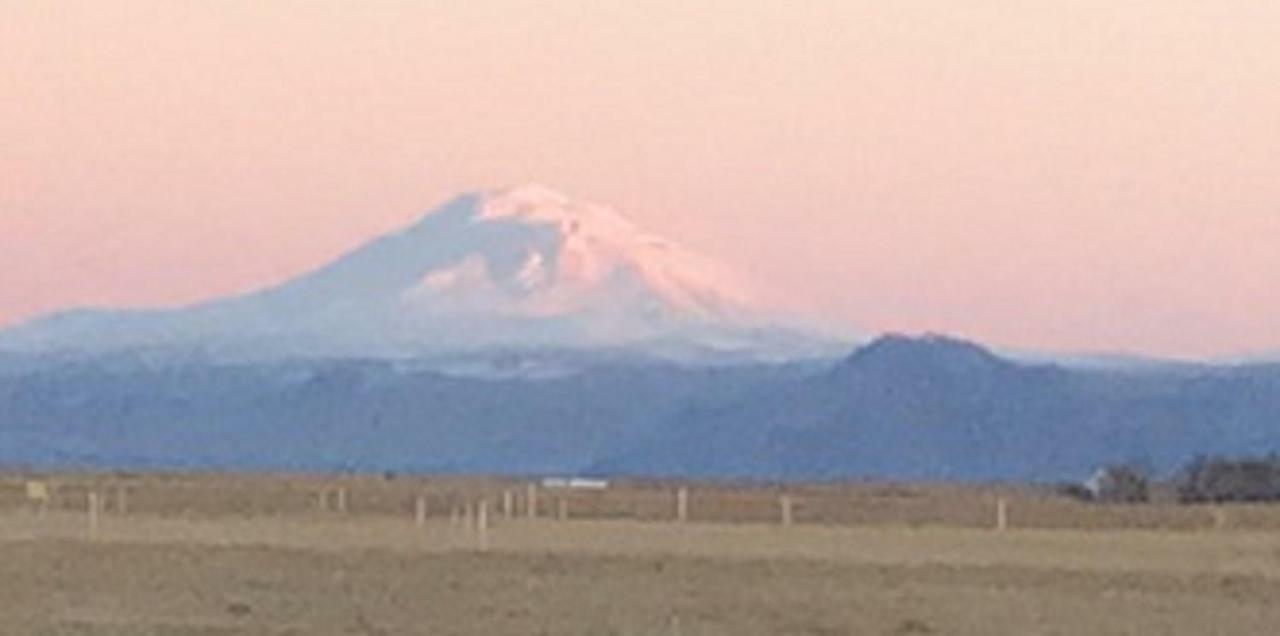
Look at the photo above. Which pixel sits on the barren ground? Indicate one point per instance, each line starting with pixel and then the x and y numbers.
pixel 306 572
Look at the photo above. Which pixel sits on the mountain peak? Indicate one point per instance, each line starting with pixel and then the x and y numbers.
pixel 532 192
pixel 518 268
pixel 538 204
pixel 929 351
pixel 936 342
pixel 553 254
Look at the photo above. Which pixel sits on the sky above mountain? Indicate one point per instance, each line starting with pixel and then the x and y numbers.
pixel 1083 175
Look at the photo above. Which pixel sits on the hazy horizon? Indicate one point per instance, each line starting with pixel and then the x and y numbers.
pixel 1038 175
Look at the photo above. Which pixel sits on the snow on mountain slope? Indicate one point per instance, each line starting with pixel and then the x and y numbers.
pixel 516 269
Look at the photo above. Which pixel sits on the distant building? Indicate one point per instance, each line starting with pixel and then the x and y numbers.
pixel 575 483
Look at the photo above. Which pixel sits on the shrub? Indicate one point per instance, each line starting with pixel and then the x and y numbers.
pixel 1075 491
pixel 1220 479
pixel 1120 484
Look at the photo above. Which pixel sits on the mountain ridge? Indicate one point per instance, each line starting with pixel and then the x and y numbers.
pixel 897 408
pixel 942 409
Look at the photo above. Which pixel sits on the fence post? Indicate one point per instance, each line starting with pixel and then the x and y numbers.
pixel 342 500
pixel 122 500
pixel 420 511
pixel 682 505
pixel 482 523
pixel 1219 518
pixel 92 511
pixel 785 503
pixel 508 505
pixel 39 493
pixel 531 501
pixel 1002 514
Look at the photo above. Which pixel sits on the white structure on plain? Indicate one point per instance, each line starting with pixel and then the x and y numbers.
pixel 1094 484
pixel 574 483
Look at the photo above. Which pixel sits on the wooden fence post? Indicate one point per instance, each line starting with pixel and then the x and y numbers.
pixel 92 510
pixel 342 501
pixel 682 505
pixel 785 503
pixel 482 523
pixel 1002 514
pixel 508 505
pixel 39 493
pixel 531 501
pixel 1219 518
pixel 420 511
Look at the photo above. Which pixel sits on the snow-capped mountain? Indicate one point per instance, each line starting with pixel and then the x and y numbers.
pixel 518 269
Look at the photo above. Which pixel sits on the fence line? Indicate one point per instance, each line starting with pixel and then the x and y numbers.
pixel 425 500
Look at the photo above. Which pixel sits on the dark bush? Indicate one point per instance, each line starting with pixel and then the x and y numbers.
pixel 1120 484
pixel 1075 491
pixel 1220 479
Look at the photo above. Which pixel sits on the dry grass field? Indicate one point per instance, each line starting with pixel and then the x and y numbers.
pixel 850 504
pixel 257 555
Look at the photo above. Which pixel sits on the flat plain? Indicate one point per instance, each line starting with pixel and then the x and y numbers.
pixel 190 555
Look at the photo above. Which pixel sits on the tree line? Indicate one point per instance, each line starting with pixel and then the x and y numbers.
pixel 1206 479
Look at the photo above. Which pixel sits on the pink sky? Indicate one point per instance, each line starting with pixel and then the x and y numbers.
pixel 1080 175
